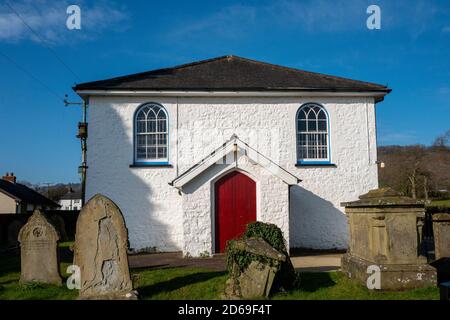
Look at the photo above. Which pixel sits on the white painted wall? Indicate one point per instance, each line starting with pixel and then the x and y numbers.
pixel 7 204
pixel 153 210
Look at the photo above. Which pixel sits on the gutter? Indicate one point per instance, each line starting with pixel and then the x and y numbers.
pixel 378 95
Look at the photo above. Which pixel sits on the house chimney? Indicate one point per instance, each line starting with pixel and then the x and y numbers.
pixel 9 177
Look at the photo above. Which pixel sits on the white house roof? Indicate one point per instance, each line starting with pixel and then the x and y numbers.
pixel 233 144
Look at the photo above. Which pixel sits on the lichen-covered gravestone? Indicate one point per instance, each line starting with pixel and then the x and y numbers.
pixel 101 243
pixel 256 277
pixel 258 263
pixel 38 250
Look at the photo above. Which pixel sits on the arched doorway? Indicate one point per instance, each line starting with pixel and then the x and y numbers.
pixel 235 207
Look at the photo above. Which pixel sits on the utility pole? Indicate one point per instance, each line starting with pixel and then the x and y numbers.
pixel 82 135
pixel 48 184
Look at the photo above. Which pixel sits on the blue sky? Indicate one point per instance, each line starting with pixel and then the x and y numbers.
pixel 37 133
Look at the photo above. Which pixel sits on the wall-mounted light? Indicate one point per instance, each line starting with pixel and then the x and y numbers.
pixel 381 163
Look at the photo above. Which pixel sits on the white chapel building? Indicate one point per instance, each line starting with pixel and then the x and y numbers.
pixel 193 153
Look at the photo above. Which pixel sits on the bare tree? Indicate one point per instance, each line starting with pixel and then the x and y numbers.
pixel 443 140
pixel 415 167
pixel 417 171
pixel 426 178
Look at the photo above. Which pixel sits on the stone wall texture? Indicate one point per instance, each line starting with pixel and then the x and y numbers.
pixel 153 210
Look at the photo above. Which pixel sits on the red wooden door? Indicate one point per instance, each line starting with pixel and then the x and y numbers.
pixel 235 207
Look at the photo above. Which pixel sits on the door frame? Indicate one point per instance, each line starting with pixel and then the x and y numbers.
pixel 213 201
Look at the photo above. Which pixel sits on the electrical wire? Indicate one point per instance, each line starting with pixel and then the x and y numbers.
pixel 50 90
pixel 42 40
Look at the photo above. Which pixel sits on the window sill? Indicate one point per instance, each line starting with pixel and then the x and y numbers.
pixel 315 164
pixel 151 165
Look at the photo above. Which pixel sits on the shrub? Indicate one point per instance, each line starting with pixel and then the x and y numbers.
pixel 286 278
pixel 269 233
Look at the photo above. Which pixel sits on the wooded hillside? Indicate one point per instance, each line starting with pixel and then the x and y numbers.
pixel 417 171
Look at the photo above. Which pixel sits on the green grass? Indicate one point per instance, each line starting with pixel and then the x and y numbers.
pixel 10 289
pixel 181 283
pixel 441 203
pixel 336 286
pixel 195 283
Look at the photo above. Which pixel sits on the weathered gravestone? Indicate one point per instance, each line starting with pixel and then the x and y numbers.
pixel 385 232
pixel 441 230
pixel 101 243
pixel 253 266
pixel 39 251
pixel 286 278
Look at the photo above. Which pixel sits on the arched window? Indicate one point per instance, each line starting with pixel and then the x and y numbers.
pixel 312 134
pixel 151 134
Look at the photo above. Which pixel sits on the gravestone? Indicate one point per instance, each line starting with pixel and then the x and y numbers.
pixel 256 279
pixel 385 231
pixel 39 251
pixel 441 230
pixel 101 243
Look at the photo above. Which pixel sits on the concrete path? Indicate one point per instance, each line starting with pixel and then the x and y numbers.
pixel 317 263
pixel 175 260
pixel 304 263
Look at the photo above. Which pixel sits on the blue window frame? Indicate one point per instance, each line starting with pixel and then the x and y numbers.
pixel 313 139
pixel 151 135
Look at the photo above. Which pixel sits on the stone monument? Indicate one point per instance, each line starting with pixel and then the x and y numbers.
pixel 441 230
pixel 386 231
pixel 101 243
pixel 39 251
pixel 256 279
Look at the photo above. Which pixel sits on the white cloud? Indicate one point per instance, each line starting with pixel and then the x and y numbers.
pixel 48 19
pixel 312 16
pixel 320 15
pixel 236 21
pixel 398 138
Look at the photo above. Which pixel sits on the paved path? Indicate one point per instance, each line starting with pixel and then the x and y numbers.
pixel 317 263
pixel 175 260
pixel 306 263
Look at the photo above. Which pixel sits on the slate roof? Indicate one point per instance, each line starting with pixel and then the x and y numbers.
pixel 24 194
pixel 232 73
